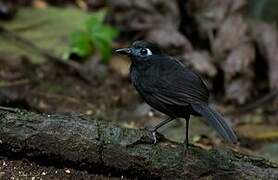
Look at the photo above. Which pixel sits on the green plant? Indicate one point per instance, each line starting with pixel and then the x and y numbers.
pixel 96 36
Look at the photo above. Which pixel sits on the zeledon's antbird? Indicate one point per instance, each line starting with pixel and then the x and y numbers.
pixel 172 88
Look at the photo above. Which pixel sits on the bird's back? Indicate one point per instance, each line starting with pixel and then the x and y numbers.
pixel 167 85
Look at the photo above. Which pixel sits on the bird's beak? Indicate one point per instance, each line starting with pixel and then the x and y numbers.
pixel 124 51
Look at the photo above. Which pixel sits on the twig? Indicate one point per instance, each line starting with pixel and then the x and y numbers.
pixel 64 98
pixel 8 109
pixel 254 105
pixel 30 26
pixel 14 83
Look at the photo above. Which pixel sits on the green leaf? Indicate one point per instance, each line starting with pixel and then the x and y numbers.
pixel 96 20
pixel 112 32
pixel 106 33
pixel 97 36
pixel 104 48
pixel 103 37
pixel 80 43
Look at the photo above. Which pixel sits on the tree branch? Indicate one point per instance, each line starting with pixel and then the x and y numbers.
pixel 101 147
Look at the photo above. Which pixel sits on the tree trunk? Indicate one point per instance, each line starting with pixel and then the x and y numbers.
pixel 102 147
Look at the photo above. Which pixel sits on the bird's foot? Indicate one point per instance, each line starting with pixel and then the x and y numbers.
pixel 185 147
pixel 154 136
pixel 153 132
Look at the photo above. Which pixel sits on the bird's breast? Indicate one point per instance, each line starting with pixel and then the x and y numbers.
pixel 144 78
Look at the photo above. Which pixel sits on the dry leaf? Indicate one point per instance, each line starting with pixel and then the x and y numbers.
pixel 201 61
pixel 170 39
pixel 210 14
pixel 239 62
pixel 239 90
pixel 133 15
pixel 266 36
pixel 120 65
pixel 40 4
pixel 237 5
pixel 259 132
pixel 232 33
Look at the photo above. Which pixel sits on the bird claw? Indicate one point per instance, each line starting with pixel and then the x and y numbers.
pixel 153 131
pixel 154 137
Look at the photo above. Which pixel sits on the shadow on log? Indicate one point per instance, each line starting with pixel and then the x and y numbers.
pixel 98 147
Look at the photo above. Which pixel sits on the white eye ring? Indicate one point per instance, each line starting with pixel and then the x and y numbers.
pixel 146 52
pixel 149 52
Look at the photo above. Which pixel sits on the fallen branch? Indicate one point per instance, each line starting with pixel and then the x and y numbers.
pixel 259 102
pixel 101 147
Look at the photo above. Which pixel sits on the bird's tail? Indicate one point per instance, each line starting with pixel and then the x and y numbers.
pixel 217 121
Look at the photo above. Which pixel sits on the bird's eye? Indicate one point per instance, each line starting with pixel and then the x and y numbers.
pixel 146 52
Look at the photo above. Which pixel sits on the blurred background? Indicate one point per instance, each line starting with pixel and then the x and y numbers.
pixel 57 56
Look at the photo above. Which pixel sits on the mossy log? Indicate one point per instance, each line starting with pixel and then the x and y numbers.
pixel 98 146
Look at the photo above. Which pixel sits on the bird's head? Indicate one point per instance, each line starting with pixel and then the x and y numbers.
pixel 140 50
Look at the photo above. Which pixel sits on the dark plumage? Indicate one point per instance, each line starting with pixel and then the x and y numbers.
pixel 171 88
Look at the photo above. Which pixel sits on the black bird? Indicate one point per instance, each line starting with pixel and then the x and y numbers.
pixel 172 88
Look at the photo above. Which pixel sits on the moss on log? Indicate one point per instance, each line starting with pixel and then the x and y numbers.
pixel 98 146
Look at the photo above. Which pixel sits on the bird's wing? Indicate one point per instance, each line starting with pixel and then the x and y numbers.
pixel 178 85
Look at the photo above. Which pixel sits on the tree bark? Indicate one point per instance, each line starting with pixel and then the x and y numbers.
pixel 98 146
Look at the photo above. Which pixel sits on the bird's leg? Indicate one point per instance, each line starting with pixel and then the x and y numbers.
pixel 187 132
pixel 159 125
